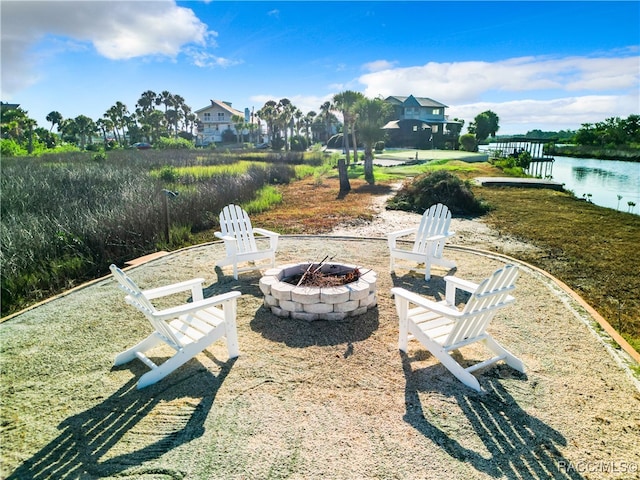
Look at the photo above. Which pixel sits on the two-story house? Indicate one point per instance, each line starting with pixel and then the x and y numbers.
pixel 215 122
pixel 421 123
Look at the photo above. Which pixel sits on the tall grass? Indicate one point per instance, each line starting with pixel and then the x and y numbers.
pixel 65 218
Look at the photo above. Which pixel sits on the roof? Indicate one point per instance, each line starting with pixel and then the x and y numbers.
pixel 421 101
pixel 222 105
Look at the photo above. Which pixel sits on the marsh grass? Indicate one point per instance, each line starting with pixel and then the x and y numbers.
pixel 66 218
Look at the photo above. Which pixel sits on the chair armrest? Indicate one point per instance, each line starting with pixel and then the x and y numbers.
pixel 169 313
pixel 393 236
pixel 462 284
pixel 174 288
pixel 443 309
pixel 266 233
pixel 226 238
pixel 402 233
pixel 454 283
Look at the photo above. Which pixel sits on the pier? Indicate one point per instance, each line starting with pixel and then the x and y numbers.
pixel 541 165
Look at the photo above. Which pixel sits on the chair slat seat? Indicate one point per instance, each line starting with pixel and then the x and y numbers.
pixel 442 328
pixel 188 328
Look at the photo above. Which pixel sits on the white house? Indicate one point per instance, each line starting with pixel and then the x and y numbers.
pixel 215 119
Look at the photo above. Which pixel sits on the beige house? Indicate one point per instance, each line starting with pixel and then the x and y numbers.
pixel 215 119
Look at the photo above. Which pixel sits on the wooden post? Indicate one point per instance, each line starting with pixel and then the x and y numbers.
pixel 345 186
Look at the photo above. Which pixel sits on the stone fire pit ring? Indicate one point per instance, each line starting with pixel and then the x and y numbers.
pixel 318 303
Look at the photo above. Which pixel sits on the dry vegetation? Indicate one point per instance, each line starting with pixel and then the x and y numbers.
pixel 592 249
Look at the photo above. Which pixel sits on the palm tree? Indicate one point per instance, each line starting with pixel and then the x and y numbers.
pixel 146 101
pixel 238 124
pixel 344 102
pixel 117 114
pixel 269 113
pixel 105 125
pixel 372 116
pixel 285 116
pixel 55 118
pixel 85 128
pixel 325 113
pixel 308 121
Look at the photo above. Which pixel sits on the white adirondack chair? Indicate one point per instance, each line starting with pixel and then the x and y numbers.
pixel 428 245
pixel 442 328
pixel 240 241
pixel 187 328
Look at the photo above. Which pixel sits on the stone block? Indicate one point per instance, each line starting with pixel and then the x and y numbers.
pixel 305 295
pixel 334 294
pixel 346 306
pixel 291 306
pixel 309 317
pixel 318 307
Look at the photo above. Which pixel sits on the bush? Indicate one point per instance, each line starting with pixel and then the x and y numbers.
pixel 468 143
pixel 298 143
pixel 439 186
pixel 165 143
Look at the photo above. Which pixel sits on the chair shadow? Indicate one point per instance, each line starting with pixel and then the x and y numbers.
pixel 130 427
pixel 520 446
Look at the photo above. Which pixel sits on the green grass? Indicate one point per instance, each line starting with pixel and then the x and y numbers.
pixel 266 198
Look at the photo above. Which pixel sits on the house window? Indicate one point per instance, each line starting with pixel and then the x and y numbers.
pixel 221 116
pixel 436 111
pixel 207 117
pixel 434 128
pixel 415 128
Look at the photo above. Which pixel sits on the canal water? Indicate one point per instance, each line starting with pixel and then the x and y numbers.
pixel 601 181
pixel 598 181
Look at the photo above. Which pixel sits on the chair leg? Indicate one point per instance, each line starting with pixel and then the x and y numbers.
pixel 402 306
pixel 509 358
pixel 231 332
pixel 456 369
pixel 130 354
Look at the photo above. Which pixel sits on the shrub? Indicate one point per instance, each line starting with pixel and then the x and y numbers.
pixel 438 186
pixel 165 143
pixel 468 143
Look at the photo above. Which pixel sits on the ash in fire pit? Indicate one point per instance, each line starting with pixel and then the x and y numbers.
pixel 316 276
pixel 334 291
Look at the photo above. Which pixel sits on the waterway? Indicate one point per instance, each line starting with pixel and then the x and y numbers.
pixel 607 183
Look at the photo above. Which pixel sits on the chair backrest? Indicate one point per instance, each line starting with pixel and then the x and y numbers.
pixel 134 295
pixel 136 298
pixel 435 221
pixel 235 222
pixel 492 294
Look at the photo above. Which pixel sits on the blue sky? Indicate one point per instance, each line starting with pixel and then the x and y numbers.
pixel 538 65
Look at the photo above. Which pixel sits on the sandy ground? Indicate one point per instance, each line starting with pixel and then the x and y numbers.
pixel 315 400
pixel 470 233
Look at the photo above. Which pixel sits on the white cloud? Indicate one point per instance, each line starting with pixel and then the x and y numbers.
pixel 117 30
pixel 469 81
pixel 378 65
pixel 559 93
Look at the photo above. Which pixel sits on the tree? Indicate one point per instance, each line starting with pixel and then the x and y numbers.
pixel 85 127
pixel 468 142
pixel 55 118
pixel 484 125
pixel 325 113
pixel 238 124
pixel 268 113
pixel 345 103
pixel 372 115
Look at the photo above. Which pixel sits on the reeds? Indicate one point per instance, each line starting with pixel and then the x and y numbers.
pixel 66 218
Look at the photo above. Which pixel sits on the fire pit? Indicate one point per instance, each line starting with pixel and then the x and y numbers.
pixel 336 291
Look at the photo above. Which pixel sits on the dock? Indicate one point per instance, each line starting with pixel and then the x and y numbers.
pixel 518 182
